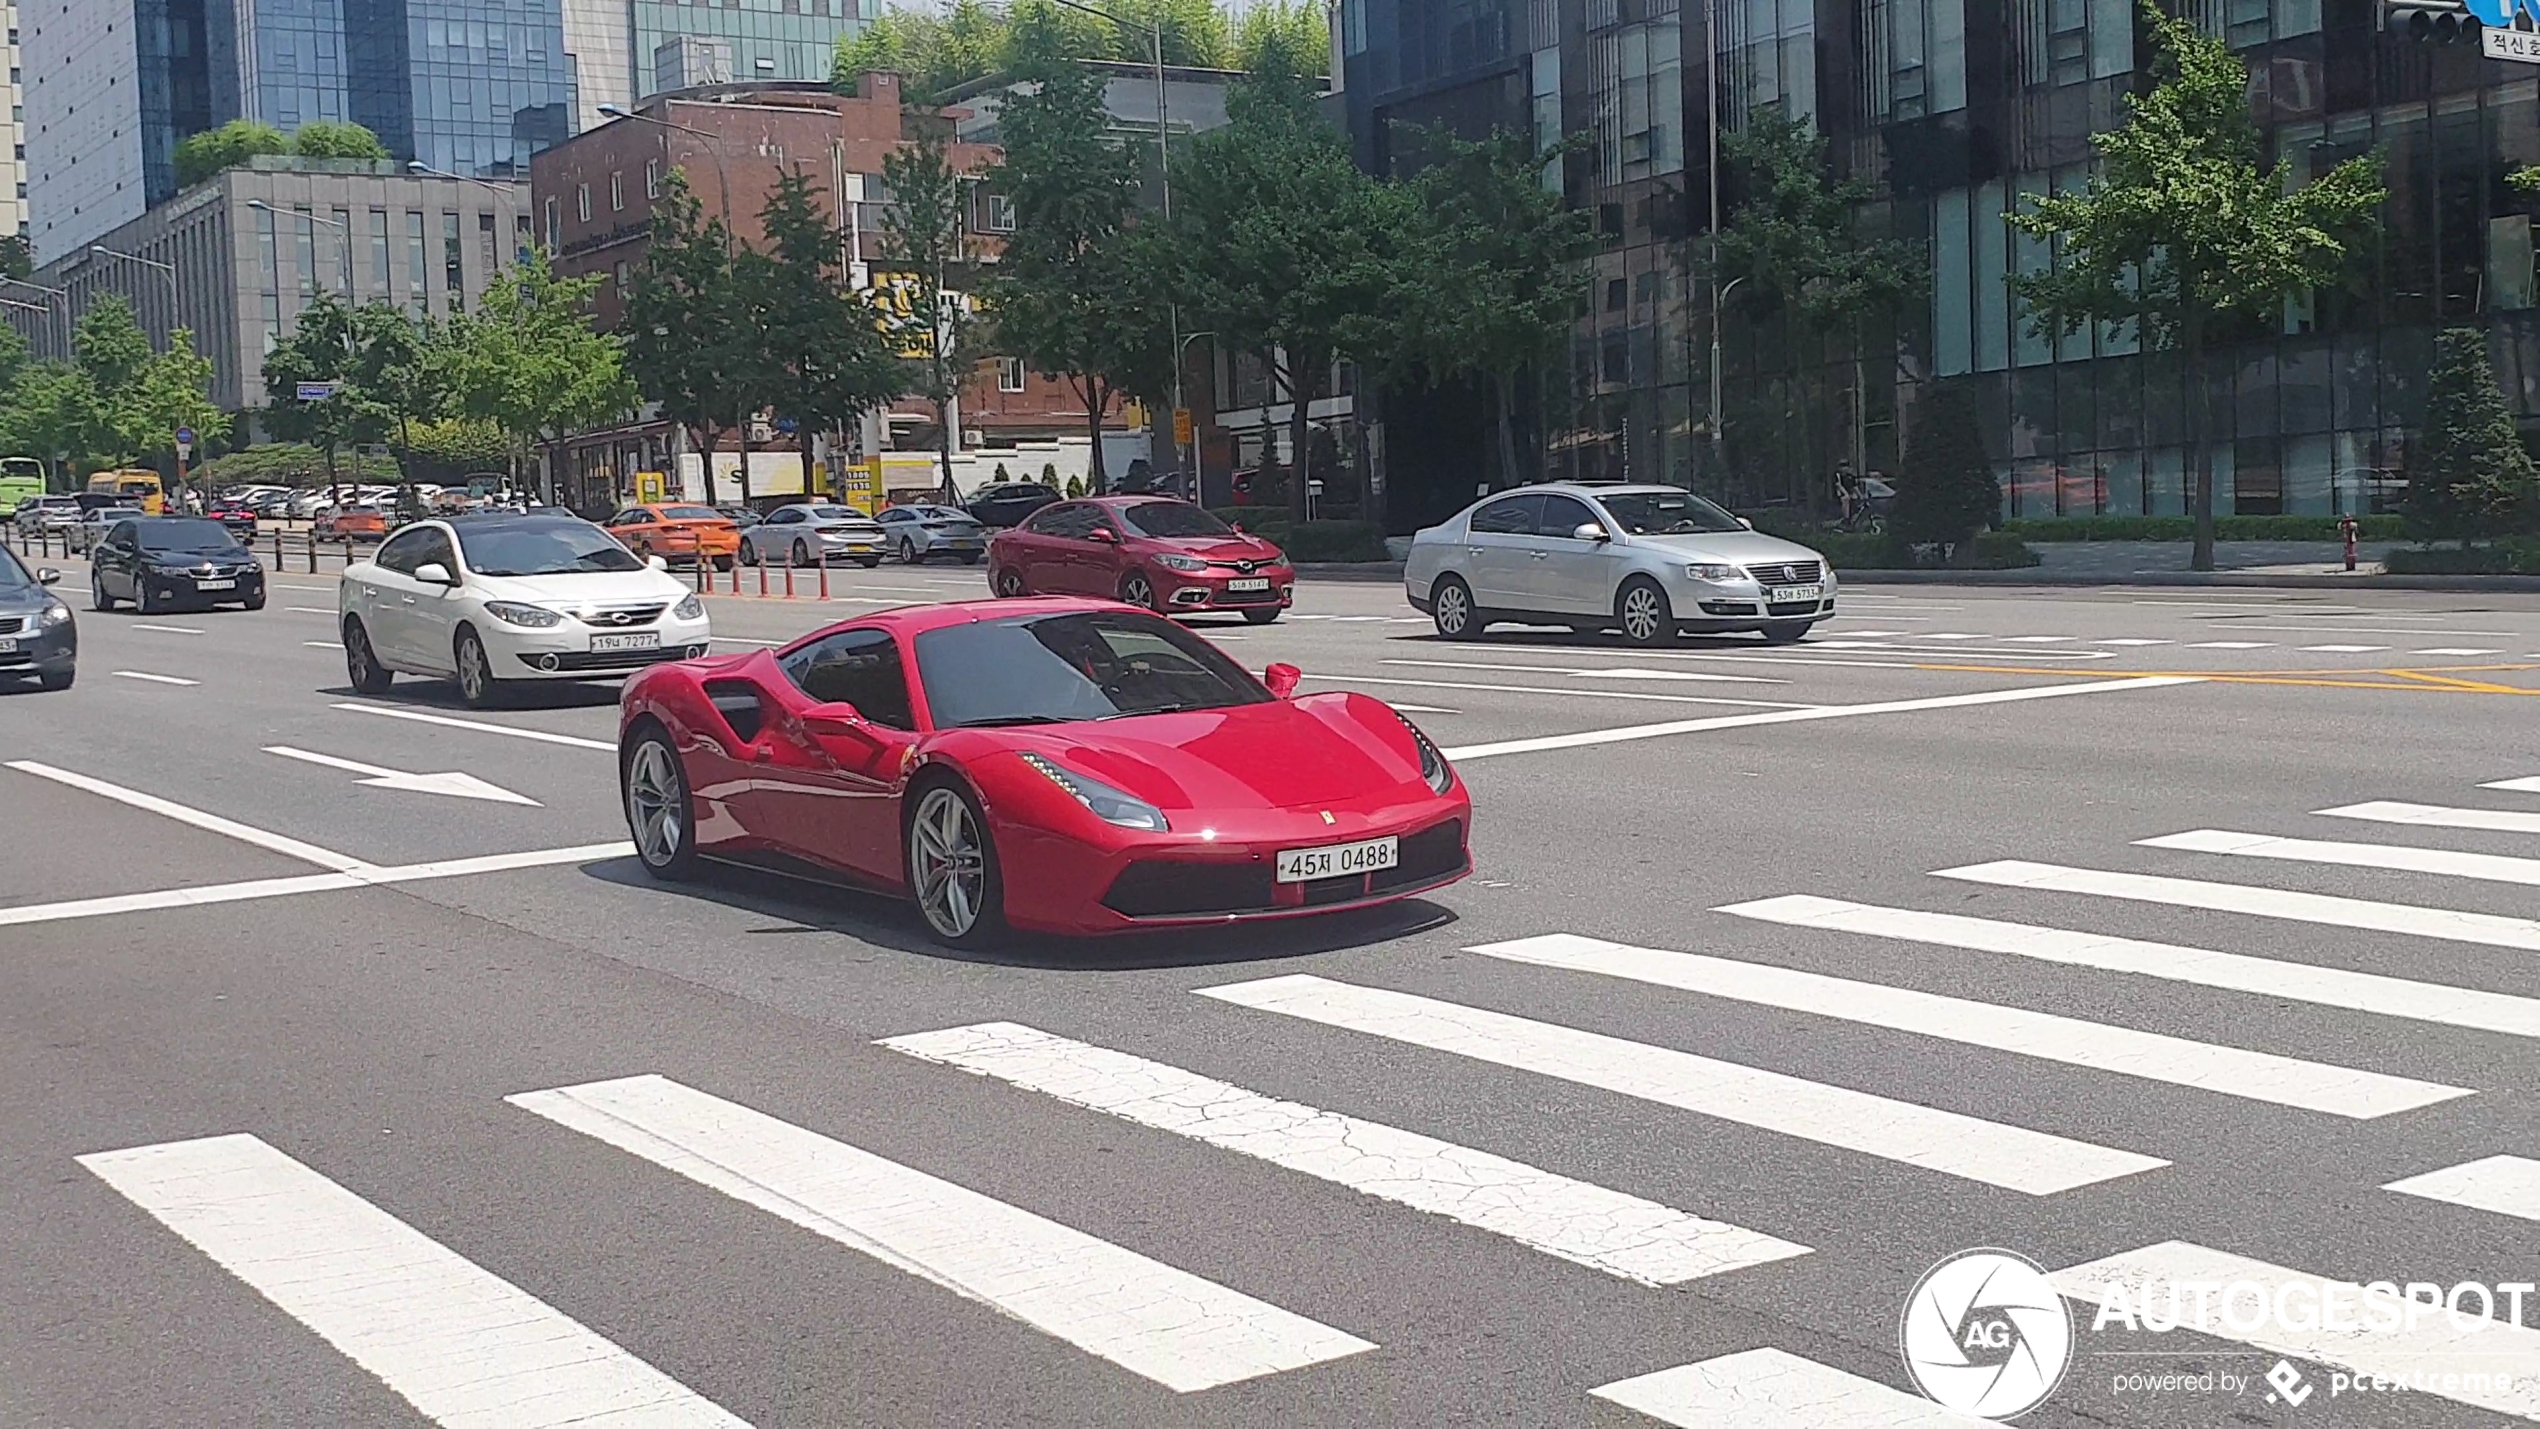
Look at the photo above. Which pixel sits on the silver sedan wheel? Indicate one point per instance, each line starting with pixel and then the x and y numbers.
pixel 1642 617
pixel 1452 612
pixel 947 863
pixel 656 805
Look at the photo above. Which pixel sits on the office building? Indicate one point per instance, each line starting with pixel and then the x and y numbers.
pixel 469 86
pixel 13 188
pixel 1958 110
pixel 359 232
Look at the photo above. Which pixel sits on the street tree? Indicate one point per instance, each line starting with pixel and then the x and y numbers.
pixel 2469 477
pixel 2182 228
pixel 1794 245
pixel 1081 291
pixel 379 360
pixel 927 242
pixel 528 361
pixel 1286 246
pixel 830 358
pixel 199 156
pixel 684 348
pixel 1499 266
pixel 1281 28
pixel 129 401
pixel 1947 491
pixel 49 410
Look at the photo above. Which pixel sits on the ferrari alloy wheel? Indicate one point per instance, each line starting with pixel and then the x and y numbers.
pixel 361 663
pixel 1010 583
pixel 952 868
pixel 657 807
pixel 1641 609
pixel 477 684
pixel 1136 591
pixel 1451 610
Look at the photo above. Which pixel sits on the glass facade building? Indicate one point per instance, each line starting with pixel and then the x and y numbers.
pixel 1958 111
pixel 765 39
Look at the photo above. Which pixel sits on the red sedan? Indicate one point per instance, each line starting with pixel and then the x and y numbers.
pixel 1169 556
pixel 1055 765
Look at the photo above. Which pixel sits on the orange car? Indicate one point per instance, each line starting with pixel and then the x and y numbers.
pixel 679 534
pixel 350 523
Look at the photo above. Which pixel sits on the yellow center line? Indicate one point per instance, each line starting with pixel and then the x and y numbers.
pixel 2424 682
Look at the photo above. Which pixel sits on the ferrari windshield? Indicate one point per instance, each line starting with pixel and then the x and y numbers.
pixel 1087 665
pixel 1666 513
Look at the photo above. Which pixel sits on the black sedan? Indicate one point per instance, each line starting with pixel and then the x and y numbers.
pixel 237 517
pixel 1008 503
pixel 159 562
pixel 37 635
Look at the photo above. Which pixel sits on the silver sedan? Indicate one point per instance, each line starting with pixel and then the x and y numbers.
pixel 921 533
pixel 1648 560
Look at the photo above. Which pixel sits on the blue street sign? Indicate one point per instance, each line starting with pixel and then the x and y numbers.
pixel 318 391
pixel 185 436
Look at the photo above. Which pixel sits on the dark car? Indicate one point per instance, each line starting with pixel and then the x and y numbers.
pixel 158 562
pixel 37 635
pixel 237 517
pixel 1009 503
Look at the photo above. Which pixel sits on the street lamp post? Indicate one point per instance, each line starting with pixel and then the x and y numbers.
pixel 176 303
pixel 57 302
pixel 344 269
pixel 1719 295
pixel 1185 462
pixel 418 166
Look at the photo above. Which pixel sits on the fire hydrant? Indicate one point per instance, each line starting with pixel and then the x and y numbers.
pixel 2349 529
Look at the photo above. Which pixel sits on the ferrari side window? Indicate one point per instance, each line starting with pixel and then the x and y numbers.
pixel 859 667
pixel 738 702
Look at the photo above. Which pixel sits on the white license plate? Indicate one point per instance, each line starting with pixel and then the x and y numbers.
pixel 1249 583
pixel 647 640
pixel 216 585
pixel 1302 865
pixel 8 644
pixel 1795 592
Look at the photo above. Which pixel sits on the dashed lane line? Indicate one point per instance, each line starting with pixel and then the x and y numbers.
pixel 145 675
pixel 482 727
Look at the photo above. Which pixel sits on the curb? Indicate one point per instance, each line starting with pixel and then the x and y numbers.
pixel 2245 580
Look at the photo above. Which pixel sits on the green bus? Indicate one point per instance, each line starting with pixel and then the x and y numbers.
pixel 20 478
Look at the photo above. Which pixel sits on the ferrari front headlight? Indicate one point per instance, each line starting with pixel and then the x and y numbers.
pixel 1110 805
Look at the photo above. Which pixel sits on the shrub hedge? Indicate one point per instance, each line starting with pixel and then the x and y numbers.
pixel 2182 528
pixel 1866 551
pixel 2504 558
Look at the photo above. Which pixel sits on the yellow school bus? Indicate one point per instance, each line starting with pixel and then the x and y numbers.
pixel 140 488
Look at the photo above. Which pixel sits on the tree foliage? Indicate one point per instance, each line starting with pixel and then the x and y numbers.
pixel 829 359
pixel 2468 476
pixel 2182 225
pixel 115 402
pixel 330 139
pixel 928 245
pixel 1947 492
pixel 383 362
pixel 687 346
pixel 528 361
pixel 972 41
pixel 199 156
pixel 1291 28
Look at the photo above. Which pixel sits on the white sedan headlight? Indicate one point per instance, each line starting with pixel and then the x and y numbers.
pixel 1716 574
pixel 54 614
pixel 512 612
pixel 689 609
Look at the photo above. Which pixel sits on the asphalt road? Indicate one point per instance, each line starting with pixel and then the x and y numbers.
pixel 438 1111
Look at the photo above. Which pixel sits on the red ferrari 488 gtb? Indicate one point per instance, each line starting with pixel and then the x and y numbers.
pixel 1050 764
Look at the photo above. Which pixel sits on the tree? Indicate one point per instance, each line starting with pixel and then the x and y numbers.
pixel 1794 244
pixel 1080 292
pixel 925 238
pixel 320 348
pixel 1499 269
pixel 832 362
pixel 2181 226
pixel 684 345
pixel 1282 28
pixel 1947 492
pixel 50 411
pixel 2469 476
pixel 1286 244
pixel 329 139
pixel 17 256
pixel 172 392
pixel 199 156
pixel 528 361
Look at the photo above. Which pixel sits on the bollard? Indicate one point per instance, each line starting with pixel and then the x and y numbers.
pixel 313 553
pixel 824 575
pixel 762 577
pixel 789 577
pixel 2350 528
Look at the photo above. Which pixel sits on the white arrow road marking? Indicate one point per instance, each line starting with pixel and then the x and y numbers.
pixel 454 784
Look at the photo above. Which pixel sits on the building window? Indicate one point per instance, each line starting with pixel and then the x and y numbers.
pixel 379 279
pixel 453 280
pixel 555 239
pixel 997 214
pixel 582 202
pixel 1009 374
pixel 304 251
pixel 617 191
pixel 489 255
pixel 522 239
pixel 625 279
pixel 343 240
pixel 415 269
pixel 652 178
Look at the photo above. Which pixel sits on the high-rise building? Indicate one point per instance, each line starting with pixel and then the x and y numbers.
pixel 470 86
pixel 12 133
pixel 765 39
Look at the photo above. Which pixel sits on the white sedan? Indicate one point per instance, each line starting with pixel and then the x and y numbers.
pixel 504 598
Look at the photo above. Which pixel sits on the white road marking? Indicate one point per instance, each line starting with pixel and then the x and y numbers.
pixel 1593 671
pixel 2343 649
pixel 2011 1157
pixel 2231 1071
pixel 2232 645
pixel 2458 650
pixel 308 610
pixel 2449 924
pixel 1959 652
pixel 1168 1325
pixel 462 1345
pixel 2495 868
pixel 324 644
pixel 453 784
pixel 2133 642
pixel 165 629
pixel 2383 996
pixel 2506 1185
pixel 2424 1354
pixel 2036 639
pixel 1952 635
pixel 1773 1389
pixel 1587 1224
pixel 277 585
pixel 364 876
pixel 2529 785
pixel 2378 629
pixel 453 722
pixel 2435 816
pixel 1849 633
pixel 1653 731
pixel 1565 694
pixel 282 844
pixel 153 679
pixel 1421 709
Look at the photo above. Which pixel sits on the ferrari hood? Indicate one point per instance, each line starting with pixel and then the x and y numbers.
pixel 1323 750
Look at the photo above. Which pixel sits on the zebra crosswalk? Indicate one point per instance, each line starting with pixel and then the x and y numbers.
pixel 465 1346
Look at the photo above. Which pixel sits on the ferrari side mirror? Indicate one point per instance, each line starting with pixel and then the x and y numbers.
pixel 1281 679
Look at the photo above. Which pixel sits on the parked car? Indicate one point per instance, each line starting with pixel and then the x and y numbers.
pixel 921 533
pixel 503 598
pixel 1169 556
pixel 349 523
pixel 47 513
pixel 1007 504
pixel 38 637
pixel 814 533
pixel 93 525
pixel 680 534
pixel 1649 560
pixel 234 514
pixel 1057 766
pixel 743 517
pixel 160 562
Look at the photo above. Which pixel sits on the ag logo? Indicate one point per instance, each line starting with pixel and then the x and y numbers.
pixel 1985 1334
pixel 2500 13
